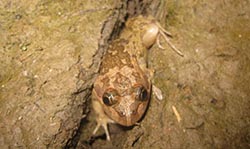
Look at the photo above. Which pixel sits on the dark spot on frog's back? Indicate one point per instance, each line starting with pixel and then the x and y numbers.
pixel 116 56
pixel 106 80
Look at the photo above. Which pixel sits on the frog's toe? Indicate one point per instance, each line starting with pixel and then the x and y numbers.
pixel 158 42
pixel 162 33
pixel 157 92
pixel 105 126
pixel 96 128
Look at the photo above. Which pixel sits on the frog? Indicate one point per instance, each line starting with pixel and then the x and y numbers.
pixel 122 90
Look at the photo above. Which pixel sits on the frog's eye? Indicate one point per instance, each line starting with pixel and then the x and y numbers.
pixel 142 94
pixel 109 98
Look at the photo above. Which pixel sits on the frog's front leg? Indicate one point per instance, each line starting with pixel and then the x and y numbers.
pixel 101 118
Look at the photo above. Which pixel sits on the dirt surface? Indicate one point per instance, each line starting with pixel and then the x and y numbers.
pixel 50 53
pixel 208 88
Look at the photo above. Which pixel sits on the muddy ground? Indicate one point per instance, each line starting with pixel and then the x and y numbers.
pixel 50 54
pixel 209 86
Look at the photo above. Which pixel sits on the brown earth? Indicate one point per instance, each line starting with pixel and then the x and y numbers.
pixel 49 56
pixel 208 87
pixel 50 53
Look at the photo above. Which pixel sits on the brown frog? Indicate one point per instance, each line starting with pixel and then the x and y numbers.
pixel 122 90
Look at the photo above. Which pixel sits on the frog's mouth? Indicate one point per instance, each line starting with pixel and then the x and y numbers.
pixel 128 112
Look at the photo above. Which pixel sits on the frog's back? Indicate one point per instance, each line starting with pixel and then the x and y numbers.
pixel 128 46
pixel 116 56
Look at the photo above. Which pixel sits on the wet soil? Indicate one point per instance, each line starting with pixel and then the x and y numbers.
pixel 206 93
pixel 50 53
pixel 48 59
pixel 209 86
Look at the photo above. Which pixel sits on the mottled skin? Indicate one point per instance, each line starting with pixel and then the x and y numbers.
pixel 122 90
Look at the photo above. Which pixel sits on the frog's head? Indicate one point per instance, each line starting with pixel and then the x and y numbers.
pixel 124 96
pixel 126 109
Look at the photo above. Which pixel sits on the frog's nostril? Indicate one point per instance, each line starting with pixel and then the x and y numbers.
pixel 133 112
pixel 128 113
pixel 122 113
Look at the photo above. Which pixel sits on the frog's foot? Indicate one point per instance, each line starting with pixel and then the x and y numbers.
pixel 165 34
pixel 101 119
pixel 105 126
pixel 157 92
